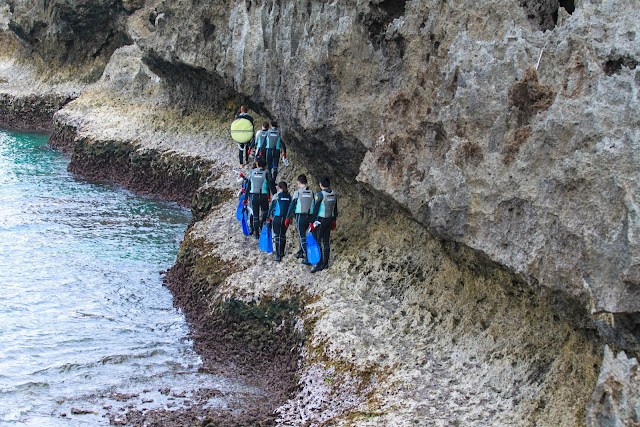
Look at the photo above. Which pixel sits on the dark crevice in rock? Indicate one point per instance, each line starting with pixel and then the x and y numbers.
pixel 543 14
pixel 110 41
pixel 70 34
pixel 189 86
pixel 195 88
pixel 380 15
pixel 569 308
pixel 329 152
pixel 208 29
pixel 614 64
pixel 621 330
pixel 29 36
pixel 568 5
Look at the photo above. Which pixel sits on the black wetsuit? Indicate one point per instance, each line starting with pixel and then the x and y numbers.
pixel 279 208
pixel 325 216
pixel 259 197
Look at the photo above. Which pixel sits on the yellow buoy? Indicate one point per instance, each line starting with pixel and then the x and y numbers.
pixel 241 130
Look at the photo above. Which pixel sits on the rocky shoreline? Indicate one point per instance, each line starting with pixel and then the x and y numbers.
pixel 250 320
pixel 33 112
pixel 271 330
pixel 255 342
pixel 151 172
pixel 486 257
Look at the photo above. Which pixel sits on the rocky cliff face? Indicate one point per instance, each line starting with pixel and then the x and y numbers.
pixel 78 37
pixel 438 106
pixel 488 144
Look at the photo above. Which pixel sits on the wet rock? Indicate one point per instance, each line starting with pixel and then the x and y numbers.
pixel 30 112
pixel 123 397
pixel 76 411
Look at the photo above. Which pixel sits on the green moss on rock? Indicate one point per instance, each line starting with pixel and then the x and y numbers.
pixel 162 174
pixel 206 199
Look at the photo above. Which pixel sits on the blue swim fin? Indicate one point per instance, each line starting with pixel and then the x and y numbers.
pixel 313 250
pixel 264 236
pixel 244 220
pixel 269 239
pixel 239 208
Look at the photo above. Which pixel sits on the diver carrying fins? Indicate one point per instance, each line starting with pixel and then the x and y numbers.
pixel 325 212
pixel 258 190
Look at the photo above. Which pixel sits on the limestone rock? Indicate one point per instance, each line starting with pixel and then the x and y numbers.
pixel 616 398
pixel 434 105
pixel 434 121
pixel 418 101
pixel 79 36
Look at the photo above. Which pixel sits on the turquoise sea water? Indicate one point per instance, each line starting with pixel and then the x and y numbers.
pixel 83 313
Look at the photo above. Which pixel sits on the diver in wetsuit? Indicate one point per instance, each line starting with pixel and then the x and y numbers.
pixel 279 208
pixel 300 206
pixel 258 145
pixel 325 212
pixel 274 145
pixel 243 147
pixel 259 188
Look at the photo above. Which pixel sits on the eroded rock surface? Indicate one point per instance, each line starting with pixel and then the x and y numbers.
pixel 616 398
pixel 437 106
pixel 486 155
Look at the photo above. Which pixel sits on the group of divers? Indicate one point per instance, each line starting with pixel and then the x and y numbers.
pixel 315 213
